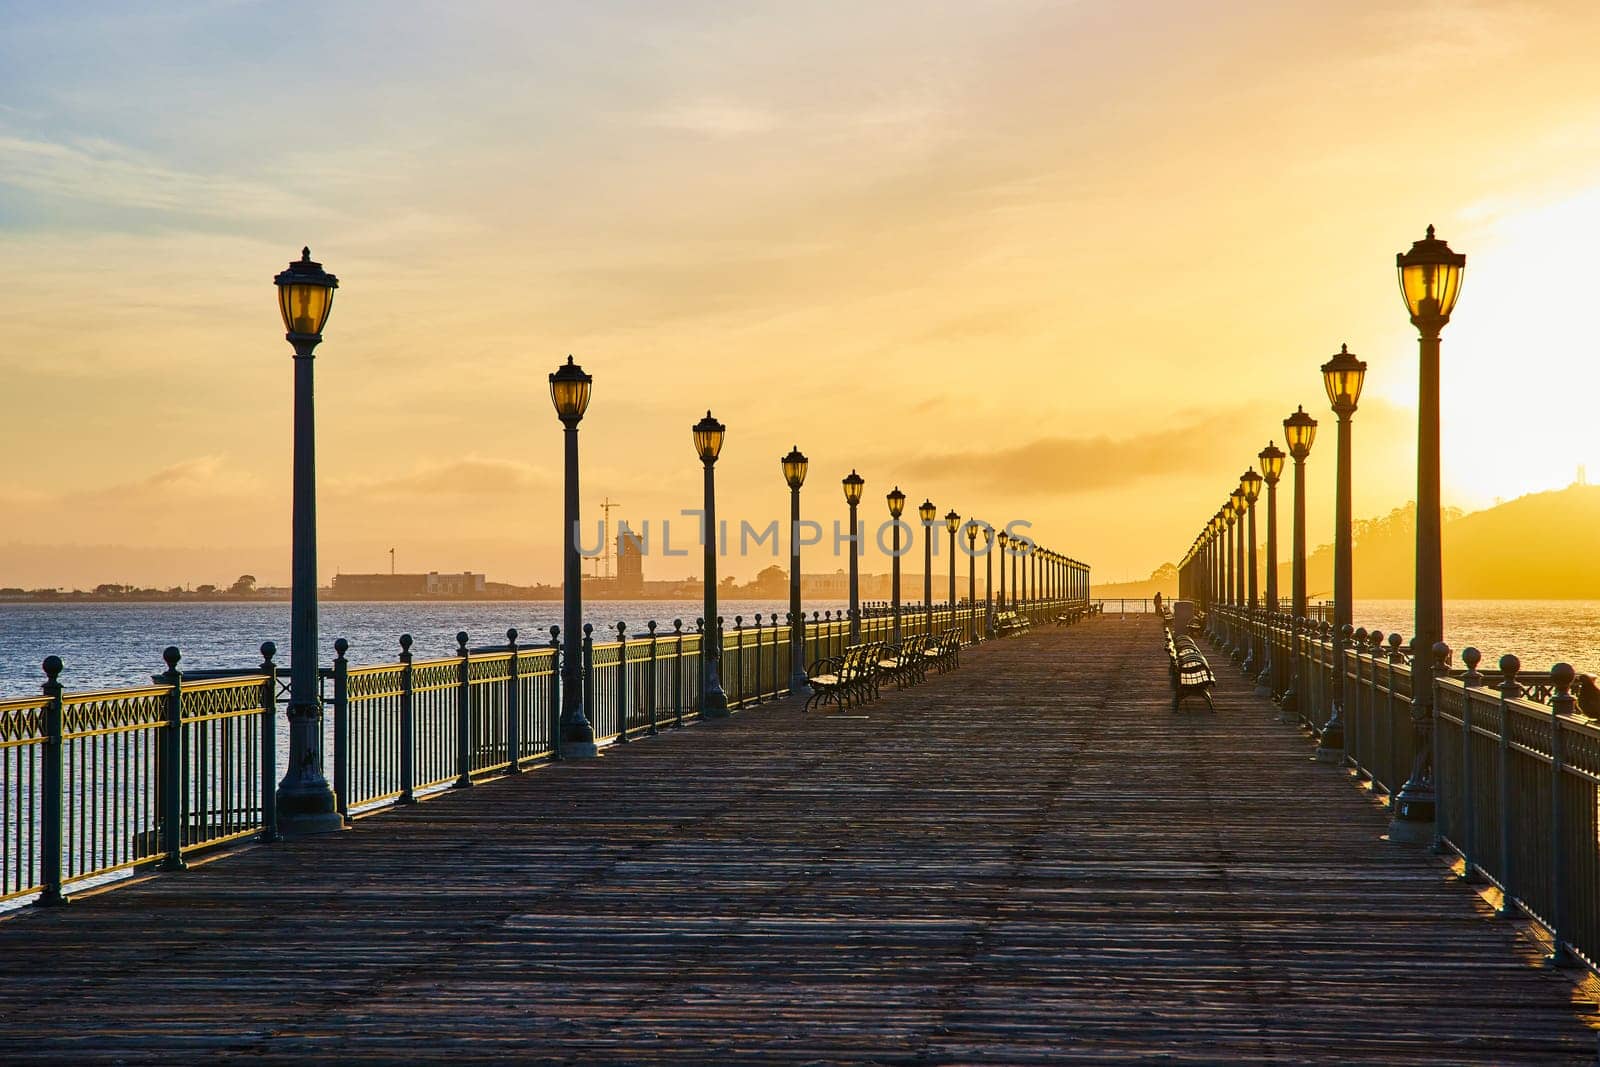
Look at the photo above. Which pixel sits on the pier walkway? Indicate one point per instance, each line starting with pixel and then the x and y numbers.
pixel 1028 860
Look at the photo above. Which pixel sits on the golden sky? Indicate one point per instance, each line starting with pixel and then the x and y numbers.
pixel 1071 263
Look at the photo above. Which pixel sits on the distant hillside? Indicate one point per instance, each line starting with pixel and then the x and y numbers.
pixel 1540 546
pixel 1537 547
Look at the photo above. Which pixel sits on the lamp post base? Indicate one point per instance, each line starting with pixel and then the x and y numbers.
pixel 1414 830
pixel 799 684
pixel 307 823
pixel 579 750
pixel 1330 740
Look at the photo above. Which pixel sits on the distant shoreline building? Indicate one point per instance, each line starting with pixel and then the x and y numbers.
pixel 407 586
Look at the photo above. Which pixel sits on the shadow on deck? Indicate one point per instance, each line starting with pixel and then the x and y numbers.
pixel 1029 860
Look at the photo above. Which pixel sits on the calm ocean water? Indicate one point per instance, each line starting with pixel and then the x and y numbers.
pixel 115 645
pixel 1538 632
pixel 111 645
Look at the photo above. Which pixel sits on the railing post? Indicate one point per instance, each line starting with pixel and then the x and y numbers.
pixel 1415 818
pixel 172 808
pixel 1561 705
pixel 463 713
pixel 341 729
pixel 555 692
pixel 269 743
pixel 1354 699
pixel 1469 844
pixel 408 726
pixel 736 699
pixel 513 706
pixel 622 683
pixel 587 649
pixel 51 788
pixel 677 675
pixel 653 690
pixel 1510 689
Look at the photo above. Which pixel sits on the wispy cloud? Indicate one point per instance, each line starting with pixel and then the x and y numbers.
pixel 1065 464
pixel 105 172
pixel 472 476
pixel 715 118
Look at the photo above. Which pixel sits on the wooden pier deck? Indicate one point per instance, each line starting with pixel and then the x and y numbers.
pixel 1030 860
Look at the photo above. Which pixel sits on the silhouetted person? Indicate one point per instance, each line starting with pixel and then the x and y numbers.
pixel 1588 696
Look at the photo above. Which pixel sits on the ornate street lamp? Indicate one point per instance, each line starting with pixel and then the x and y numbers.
pixel 853 484
pixel 1271 458
pixel 1342 376
pixel 1001 537
pixel 1250 489
pixel 794 473
pixel 1430 282
pixel 897 505
pixel 972 579
pixel 952 522
pixel 1235 507
pixel 1299 431
pixel 988 582
pixel 708 435
pixel 569 392
pixel 929 515
pixel 305 801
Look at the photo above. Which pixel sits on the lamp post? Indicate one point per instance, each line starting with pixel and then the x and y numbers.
pixel 988 582
pixel 1016 594
pixel 1271 459
pixel 305 801
pixel 897 505
pixel 853 484
pixel 569 392
pixel 1000 538
pixel 708 435
pixel 1430 282
pixel 952 522
pixel 928 514
pixel 1250 486
pixel 1220 581
pixel 1342 376
pixel 972 578
pixel 1230 520
pixel 794 473
pixel 1299 431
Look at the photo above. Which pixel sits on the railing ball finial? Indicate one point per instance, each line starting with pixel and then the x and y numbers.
pixel 677 625
pixel 622 629
pixel 1563 675
pixel 461 642
pixel 269 651
pixel 340 647
pixel 52 668
pixel 1441 655
pixel 651 626
pixel 171 656
pixel 588 629
pixel 1471 657
pixel 1394 646
pixel 1509 666
pixel 1345 631
pixel 511 635
pixel 405 642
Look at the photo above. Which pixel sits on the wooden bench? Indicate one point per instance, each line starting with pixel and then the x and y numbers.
pixel 903 663
pixel 841 680
pixel 1007 623
pixel 1191 673
pixel 944 651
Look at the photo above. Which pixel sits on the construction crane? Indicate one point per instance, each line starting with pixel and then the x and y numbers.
pixel 602 562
